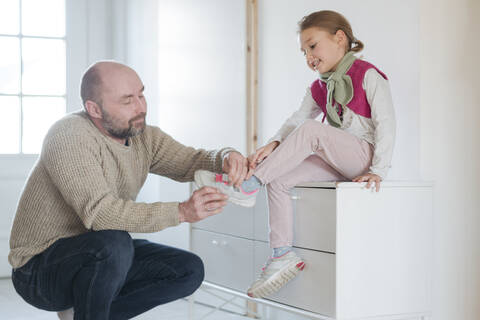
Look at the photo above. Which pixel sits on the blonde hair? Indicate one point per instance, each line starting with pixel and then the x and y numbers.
pixel 331 22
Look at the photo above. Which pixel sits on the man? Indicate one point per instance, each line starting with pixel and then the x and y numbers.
pixel 70 245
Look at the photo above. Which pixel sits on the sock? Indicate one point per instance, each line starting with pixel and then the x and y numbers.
pixel 251 184
pixel 277 252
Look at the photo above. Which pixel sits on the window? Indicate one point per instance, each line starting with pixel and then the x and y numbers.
pixel 33 72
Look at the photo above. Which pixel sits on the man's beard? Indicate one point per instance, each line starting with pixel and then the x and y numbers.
pixel 109 122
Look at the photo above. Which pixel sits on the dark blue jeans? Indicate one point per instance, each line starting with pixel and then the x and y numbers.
pixel 107 275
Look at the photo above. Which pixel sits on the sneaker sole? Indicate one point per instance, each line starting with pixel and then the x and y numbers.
pixel 277 281
pixel 199 182
pixel 244 203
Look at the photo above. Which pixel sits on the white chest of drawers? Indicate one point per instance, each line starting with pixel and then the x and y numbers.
pixel 368 255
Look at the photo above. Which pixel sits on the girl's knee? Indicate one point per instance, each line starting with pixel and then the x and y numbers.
pixel 311 124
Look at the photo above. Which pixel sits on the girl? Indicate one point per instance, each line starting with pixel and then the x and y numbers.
pixel 357 143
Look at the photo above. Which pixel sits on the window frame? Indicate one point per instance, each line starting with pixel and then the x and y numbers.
pixel 77 14
pixel 20 36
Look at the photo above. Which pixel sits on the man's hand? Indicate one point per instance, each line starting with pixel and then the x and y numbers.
pixel 370 178
pixel 203 203
pixel 236 166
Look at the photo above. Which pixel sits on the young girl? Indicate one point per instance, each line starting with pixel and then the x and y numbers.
pixel 356 144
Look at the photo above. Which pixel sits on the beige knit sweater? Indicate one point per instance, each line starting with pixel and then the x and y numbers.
pixel 84 181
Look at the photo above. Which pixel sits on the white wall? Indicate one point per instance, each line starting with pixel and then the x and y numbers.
pixel 450 150
pixel 201 67
pixel 90 37
pixel 381 25
pixel 191 57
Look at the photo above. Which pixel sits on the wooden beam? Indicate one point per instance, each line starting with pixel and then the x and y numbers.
pixel 252 74
pixel 252 94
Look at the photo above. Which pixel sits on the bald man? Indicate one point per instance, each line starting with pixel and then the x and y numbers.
pixel 70 247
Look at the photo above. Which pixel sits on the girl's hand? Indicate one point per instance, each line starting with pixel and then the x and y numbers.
pixel 370 178
pixel 259 155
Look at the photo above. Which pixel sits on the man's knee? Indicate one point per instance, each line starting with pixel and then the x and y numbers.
pixel 195 272
pixel 114 247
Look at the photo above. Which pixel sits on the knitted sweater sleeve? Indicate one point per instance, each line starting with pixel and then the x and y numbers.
pixel 176 161
pixel 74 165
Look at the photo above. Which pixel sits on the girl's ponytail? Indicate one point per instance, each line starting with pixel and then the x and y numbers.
pixel 358 45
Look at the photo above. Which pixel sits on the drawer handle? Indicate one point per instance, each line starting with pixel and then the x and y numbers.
pixel 222 243
pixel 295 197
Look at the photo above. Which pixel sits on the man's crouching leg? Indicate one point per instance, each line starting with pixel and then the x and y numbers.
pixel 85 271
pixel 159 274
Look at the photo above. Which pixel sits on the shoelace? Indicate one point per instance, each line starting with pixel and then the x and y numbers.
pixel 265 267
pixel 223 178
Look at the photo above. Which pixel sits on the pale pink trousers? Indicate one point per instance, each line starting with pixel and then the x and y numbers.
pixel 313 152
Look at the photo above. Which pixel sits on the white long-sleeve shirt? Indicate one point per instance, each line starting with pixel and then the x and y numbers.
pixel 379 130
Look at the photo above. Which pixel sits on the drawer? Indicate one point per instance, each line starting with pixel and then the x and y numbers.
pixel 250 223
pixel 313 289
pixel 315 218
pixel 228 260
pixel 233 220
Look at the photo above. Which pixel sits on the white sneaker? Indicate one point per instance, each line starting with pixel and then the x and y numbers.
pixel 276 273
pixel 65 314
pixel 235 195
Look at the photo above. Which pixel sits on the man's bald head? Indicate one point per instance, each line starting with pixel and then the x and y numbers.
pixel 96 77
pixel 113 98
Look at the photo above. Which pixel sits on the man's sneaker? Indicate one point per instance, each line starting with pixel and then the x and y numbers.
pixel 65 314
pixel 276 273
pixel 220 181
